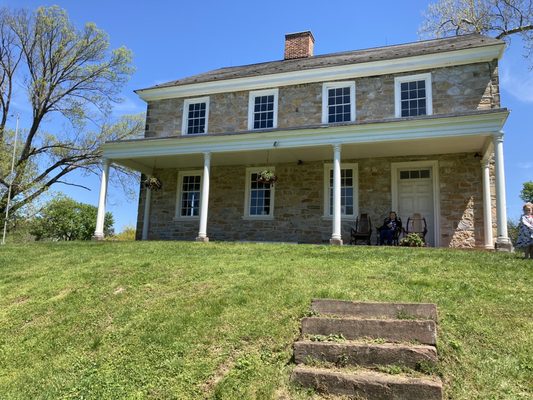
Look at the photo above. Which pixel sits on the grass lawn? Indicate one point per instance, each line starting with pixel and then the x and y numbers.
pixel 175 320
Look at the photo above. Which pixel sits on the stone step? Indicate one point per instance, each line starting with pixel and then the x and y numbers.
pixel 421 331
pixel 368 384
pixel 364 354
pixel 375 310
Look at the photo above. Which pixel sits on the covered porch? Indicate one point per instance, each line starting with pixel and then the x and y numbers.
pixel 309 207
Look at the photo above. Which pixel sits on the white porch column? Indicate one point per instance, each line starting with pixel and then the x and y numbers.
pixel 204 202
pixel 146 214
pixel 487 204
pixel 336 237
pixel 99 231
pixel 502 242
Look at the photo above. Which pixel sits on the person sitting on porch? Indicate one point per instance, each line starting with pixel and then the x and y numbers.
pixel 390 229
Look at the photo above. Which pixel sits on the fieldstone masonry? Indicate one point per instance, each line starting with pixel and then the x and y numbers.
pixel 299 192
pixel 455 89
pixel 299 203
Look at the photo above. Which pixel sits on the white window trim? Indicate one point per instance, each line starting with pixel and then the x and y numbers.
pixel 335 85
pixel 434 165
pixel 181 174
pixel 410 78
pixel 329 167
pixel 247 190
pixel 185 119
pixel 251 103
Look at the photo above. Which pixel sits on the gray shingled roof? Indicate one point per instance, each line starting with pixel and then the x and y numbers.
pixel 334 59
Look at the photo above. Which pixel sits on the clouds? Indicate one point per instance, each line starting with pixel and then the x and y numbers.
pixel 518 84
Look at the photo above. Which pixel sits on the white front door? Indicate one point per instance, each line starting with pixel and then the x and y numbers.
pixel 415 195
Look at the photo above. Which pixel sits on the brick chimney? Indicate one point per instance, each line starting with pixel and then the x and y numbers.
pixel 299 45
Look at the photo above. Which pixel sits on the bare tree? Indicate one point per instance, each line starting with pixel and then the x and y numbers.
pixel 498 18
pixel 66 73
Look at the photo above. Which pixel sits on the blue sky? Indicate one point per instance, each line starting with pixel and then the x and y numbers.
pixel 174 39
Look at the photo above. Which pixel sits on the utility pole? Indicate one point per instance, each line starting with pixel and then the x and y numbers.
pixel 12 179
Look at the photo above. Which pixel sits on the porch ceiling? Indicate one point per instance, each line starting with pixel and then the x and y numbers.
pixel 419 147
pixel 429 135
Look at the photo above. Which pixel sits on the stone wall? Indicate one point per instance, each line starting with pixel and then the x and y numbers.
pixel 455 89
pixel 299 203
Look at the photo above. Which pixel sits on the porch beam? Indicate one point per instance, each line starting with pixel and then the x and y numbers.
pixel 100 217
pixel 204 201
pixel 502 242
pixel 336 236
pixel 487 204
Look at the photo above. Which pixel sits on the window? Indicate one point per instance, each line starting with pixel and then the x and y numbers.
pixel 413 95
pixel 195 115
pixel 415 174
pixel 259 201
pixel 338 102
pixel 263 109
pixel 189 192
pixel 349 190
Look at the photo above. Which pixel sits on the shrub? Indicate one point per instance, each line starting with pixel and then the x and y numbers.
pixel 412 240
pixel 127 234
pixel 65 219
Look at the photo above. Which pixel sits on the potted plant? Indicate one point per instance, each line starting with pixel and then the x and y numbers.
pixel 267 177
pixel 152 183
pixel 412 240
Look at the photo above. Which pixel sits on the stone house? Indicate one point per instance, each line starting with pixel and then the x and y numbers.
pixel 415 127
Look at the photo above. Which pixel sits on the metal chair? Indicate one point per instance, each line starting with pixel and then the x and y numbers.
pixel 363 229
pixel 417 224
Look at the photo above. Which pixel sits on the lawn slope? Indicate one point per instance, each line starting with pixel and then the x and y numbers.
pixel 174 320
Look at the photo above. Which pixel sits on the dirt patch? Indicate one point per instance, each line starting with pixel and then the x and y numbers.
pixel 118 290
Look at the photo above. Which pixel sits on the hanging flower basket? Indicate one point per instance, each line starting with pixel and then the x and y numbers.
pixel 267 177
pixel 152 183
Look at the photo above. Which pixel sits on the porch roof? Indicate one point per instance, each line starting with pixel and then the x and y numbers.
pixel 436 134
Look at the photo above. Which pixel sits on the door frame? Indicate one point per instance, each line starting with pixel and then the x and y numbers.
pixel 434 165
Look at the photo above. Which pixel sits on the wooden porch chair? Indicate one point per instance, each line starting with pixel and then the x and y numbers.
pixel 417 224
pixel 363 229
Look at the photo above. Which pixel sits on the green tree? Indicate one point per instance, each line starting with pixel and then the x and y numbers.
pixel 527 192
pixel 66 219
pixel 498 18
pixel 67 74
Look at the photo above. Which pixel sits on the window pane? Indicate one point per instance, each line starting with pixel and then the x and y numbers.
pixel 339 105
pixel 413 98
pixel 190 196
pixel 196 118
pixel 263 112
pixel 347 191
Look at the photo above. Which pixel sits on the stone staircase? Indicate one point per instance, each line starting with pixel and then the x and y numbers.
pixel 369 350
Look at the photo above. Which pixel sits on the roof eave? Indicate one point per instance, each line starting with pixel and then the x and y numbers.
pixel 396 65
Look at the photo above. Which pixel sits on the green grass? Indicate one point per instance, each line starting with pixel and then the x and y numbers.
pixel 171 320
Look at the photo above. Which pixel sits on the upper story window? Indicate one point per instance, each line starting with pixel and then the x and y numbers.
pixel 189 190
pixel 263 109
pixel 338 102
pixel 349 190
pixel 195 116
pixel 259 198
pixel 413 95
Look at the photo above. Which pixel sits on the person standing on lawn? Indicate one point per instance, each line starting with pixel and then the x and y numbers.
pixel 525 231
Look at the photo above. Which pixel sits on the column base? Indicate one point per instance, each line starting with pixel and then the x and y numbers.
pixel 98 236
pixel 335 242
pixel 203 239
pixel 503 244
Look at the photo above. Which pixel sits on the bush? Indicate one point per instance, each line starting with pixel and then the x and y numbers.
pixel 127 234
pixel 65 219
pixel 412 240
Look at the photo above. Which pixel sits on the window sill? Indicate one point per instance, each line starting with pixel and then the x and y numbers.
pixel 349 218
pixel 181 219
pixel 258 218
